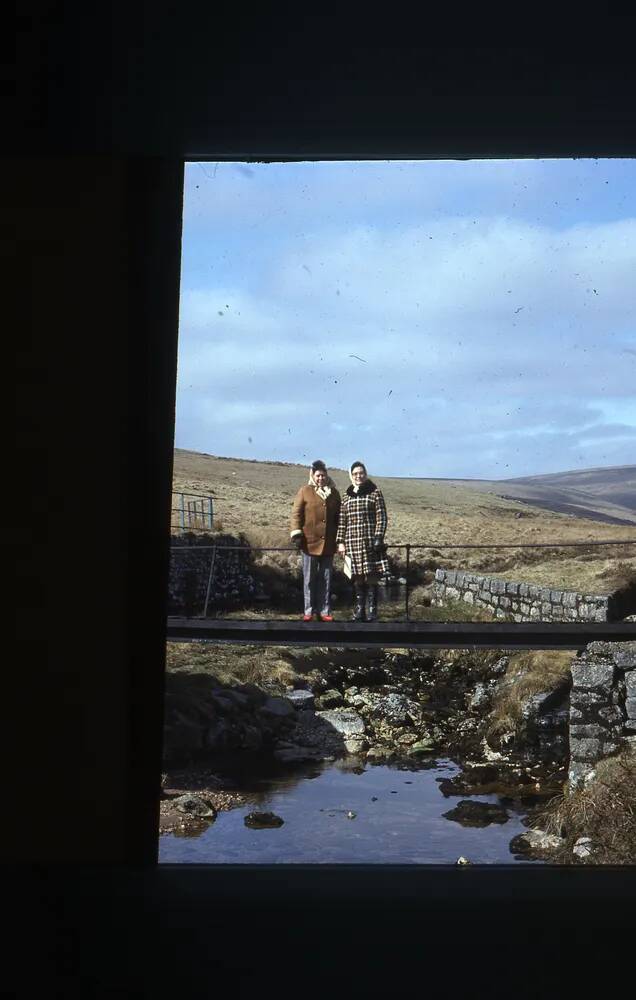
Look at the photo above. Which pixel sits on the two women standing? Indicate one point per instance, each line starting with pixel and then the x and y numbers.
pixel 320 522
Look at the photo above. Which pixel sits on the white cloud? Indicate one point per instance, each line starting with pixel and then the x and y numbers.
pixel 504 345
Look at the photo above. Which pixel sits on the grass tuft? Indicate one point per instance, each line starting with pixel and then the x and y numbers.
pixel 603 809
pixel 527 673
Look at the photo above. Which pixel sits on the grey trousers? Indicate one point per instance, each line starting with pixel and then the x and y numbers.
pixel 317 584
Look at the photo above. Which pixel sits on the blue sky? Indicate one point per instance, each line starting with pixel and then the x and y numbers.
pixel 468 319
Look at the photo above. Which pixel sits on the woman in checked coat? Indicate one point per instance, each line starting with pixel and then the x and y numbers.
pixel 360 536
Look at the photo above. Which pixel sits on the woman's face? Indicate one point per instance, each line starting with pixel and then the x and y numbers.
pixel 358 475
pixel 320 477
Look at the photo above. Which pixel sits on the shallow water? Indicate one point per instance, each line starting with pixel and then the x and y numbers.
pixel 404 825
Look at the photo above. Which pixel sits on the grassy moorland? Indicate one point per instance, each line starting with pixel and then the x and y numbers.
pixel 255 498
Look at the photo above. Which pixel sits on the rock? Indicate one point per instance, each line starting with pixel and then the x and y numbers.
pixel 500 667
pixel 279 708
pixel 344 721
pixel 300 699
pixel 583 848
pixel 625 656
pixel 535 840
pixel 331 699
pixel 216 736
pixel 263 821
pixel 358 701
pixel 407 739
pixel 397 710
pixel 423 745
pixel 195 805
pixel 590 674
pixel 590 731
pixel 578 773
pixel 356 744
pixel 479 697
pixel 223 701
pixel 477 814
pixel 542 702
pixel 240 698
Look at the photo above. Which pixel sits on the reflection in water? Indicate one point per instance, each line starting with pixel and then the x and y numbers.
pixel 347 814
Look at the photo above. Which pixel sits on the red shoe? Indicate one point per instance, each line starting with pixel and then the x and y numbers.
pixel 308 618
pixel 326 618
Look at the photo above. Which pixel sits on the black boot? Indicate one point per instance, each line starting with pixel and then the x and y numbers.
pixel 372 605
pixel 359 597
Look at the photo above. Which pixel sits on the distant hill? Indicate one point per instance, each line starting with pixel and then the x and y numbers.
pixel 605 494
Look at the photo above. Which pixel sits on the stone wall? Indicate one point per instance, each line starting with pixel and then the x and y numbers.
pixel 602 705
pixel 521 602
pixel 190 562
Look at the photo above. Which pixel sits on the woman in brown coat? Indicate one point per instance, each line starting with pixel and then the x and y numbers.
pixel 314 523
pixel 363 522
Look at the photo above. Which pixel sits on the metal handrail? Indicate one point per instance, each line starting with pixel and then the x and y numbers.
pixel 405 545
pixel 421 545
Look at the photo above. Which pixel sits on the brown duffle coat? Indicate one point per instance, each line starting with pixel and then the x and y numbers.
pixel 317 519
pixel 362 517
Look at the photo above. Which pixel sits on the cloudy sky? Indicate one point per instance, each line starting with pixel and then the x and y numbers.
pixel 468 319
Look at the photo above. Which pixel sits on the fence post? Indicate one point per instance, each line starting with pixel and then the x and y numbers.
pixel 210 511
pixel 182 495
pixel 406 588
pixel 207 593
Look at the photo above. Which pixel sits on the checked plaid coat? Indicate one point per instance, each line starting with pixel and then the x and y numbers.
pixel 362 516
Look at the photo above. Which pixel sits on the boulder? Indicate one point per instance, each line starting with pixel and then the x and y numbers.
pixel 217 735
pixel 300 699
pixel 331 699
pixel 583 848
pixel 542 703
pixel 344 721
pixel 397 710
pixel 424 745
pixel 356 744
pixel 195 805
pixel 535 840
pixel 477 814
pixel 277 708
pixel 263 821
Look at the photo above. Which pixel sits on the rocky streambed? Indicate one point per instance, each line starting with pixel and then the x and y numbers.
pixel 423 749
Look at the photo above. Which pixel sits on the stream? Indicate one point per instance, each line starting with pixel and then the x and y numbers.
pixel 339 813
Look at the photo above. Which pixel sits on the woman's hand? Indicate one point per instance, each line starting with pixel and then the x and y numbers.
pixel 341 549
pixel 378 543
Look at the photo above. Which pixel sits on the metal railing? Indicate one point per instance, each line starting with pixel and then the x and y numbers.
pixel 192 510
pixel 407 547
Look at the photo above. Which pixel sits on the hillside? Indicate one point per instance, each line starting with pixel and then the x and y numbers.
pixel 256 497
pixel 607 495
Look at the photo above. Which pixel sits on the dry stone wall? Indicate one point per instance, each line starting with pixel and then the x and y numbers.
pixel 602 705
pixel 521 602
pixel 191 559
